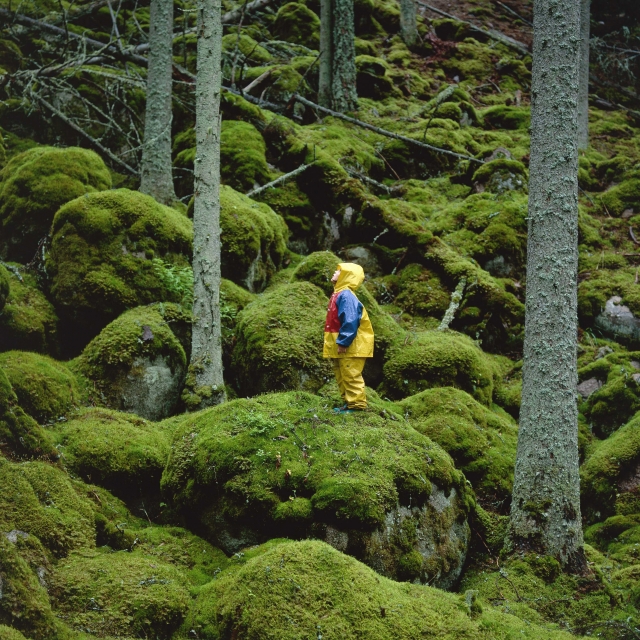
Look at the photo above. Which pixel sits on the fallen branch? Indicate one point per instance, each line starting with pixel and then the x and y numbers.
pixel 370 181
pixel 254 83
pixel 84 134
pixel 382 132
pixel 515 13
pixel 456 298
pixel 490 33
pixel 270 185
pixel 633 236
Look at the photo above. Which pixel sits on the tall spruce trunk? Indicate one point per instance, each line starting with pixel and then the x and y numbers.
pixel 337 82
pixel 408 22
pixel 156 178
pixel 545 508
pixel 206 349
pixel 583 97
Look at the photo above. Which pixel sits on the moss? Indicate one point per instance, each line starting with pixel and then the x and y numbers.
pixel 279 341
pixel 247 46
pixel 35 184
pixel 120 594
pixel 372 80
pixel 421 292
pixel 242 156
pixel 5 286
pixel 481 443
pixel 318 268
pixel 46 389
pixel 231 469
pixel 8 633
pixel 491 528
pixel 501 175
pixel 609 471
pixel 506 117
pixel 112 251
pixel 40 500
pixel 307 589
pixel 28 321
pixel 20 435
pixel 24 603
pixel 621 197
pixel 439 359
pixel 296 23
pixel 119 451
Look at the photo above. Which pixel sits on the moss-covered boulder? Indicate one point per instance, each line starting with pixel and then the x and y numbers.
pixel 309 590
pixel 40 499
pixel 506 117
pixel 34 185
pixel 9 633
pixel 118 451
pixel 254 240
pixel 285 464
pixel 20 435
pixel 318 268
pixel 28 321
pixel 610 475
pixel 243 164
pixel 481 442
pixel 5 286
pixel 136 364
pixel 501 175
pixel 279 341
pixel 372 79
pixel 439 359
pixel 622 197
pixel 112 251
pixel 46 389
pixel 296 23
pixel 120 594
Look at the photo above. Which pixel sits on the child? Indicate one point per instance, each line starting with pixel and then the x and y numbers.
pixel 348 337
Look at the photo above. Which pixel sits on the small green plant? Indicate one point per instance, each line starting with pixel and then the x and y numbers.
pixel 178 280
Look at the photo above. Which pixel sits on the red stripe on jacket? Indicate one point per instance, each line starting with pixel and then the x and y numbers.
pixel 332 323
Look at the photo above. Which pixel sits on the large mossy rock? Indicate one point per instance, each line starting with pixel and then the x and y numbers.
pixel 439 359
pixel 242 155
pixel 279 341
pixel 20 435
pixel 309 590
pixel 481 442
pixel 28 321
pixel 285 465
pixel 610 477
pixel 120 594
pixel 46 389
pixel 136 364
pixel 40 500
pixel 296 23
pixel 112 251
pixel 9 633
pixel 5 286
pixel 34 185
pixel 118 451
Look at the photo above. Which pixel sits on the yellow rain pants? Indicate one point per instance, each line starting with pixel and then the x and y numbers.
pixel 348 372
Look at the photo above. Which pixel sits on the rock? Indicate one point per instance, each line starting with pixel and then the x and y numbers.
pixel 5 285
pixel 136 364
pixel 617 322
pixel 501 175
pixel 365 258
pixel 604 351
pixel 296 23
pixel 587 387
pixel 285 465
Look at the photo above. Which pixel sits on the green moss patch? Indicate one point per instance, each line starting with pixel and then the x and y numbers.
pixel 307 590
pixel 318 268
pixel 481 442
pixel 46 389
pixel 5 286
pixel 242 155
pixel 34 185
pixel 9 633
pixel 296 23
pixel 119 451
pixel 112 251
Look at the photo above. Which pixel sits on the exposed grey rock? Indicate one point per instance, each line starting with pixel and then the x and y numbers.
pixel 603 351
pixel 617 322
pixel 364 257
pixel 586 388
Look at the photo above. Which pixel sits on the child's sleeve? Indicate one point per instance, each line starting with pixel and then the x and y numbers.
pixel 349 314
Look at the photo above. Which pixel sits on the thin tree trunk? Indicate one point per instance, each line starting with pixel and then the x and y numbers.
pixel 408 22
pixel 206 353
pixel 343 60
pixel 156 178
pixel 326 54
pixel 545 508
pixel 583 97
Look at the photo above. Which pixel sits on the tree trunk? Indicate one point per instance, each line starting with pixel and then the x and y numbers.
pixel 583 97
pixel 408 22
pixel 156 178
pixel 343 62
pixel 326 53
pixel 545 508
pixel 206 352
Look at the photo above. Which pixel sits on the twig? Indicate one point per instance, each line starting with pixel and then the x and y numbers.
pixel 258 80
pixel 383 132
pixel 456 297
pixel 277 181
pixel 14 270
pixel 492 33
pixel 515 13
pixel 371 181
pixel 633 236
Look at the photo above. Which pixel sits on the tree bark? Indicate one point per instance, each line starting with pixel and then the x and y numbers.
pixel 326 53
pixel 583 97
pixel 545 508
pixel 156 178
pixel 206 352
pixel 408 22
